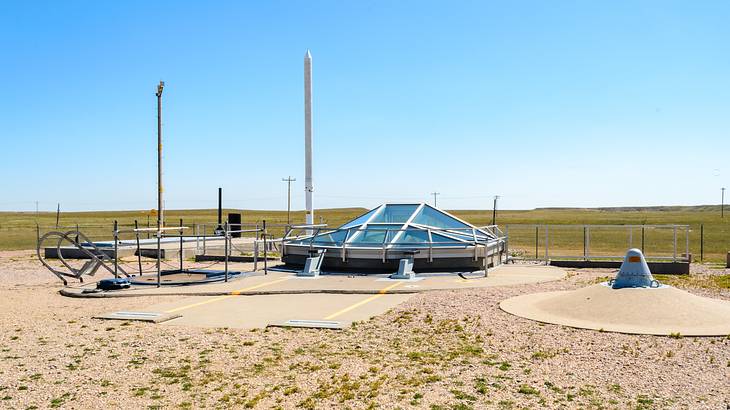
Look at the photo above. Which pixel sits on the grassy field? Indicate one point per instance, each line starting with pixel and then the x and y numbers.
pixel 18 229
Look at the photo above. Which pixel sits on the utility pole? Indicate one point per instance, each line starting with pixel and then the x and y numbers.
pixel 160 216
pixel 722 204
pixel 435 194
pixel 494 210
pixel 288 181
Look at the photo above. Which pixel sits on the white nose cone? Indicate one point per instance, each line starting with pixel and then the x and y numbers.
pixel 634 272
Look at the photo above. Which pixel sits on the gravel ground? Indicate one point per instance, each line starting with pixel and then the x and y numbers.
pixel 451 349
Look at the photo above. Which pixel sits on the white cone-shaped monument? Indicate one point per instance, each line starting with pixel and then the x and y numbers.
pixel 632 303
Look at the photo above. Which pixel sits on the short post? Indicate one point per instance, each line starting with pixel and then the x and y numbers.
pixel 116 250
pixel 181 245
pixel 430 246
pixel 255 254
pixel 686 243
pixel 702 242
pixel 265 250
pixel 537 228
pixel 139 251
pixel 159 256
pixel 225 247
pixel 506 242
pixel 588 242
pixel 585 253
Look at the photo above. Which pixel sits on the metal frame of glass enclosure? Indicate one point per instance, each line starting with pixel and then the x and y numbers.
pixel 378 239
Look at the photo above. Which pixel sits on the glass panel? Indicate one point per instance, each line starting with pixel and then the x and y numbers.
pixel 374 234
pixel 331 238
pixel 395 213
pixel 466 235
pixel 432 217
pixel 413 236
pixel 438 239
pixel 360 219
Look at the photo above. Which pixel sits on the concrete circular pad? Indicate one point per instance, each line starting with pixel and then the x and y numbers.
pixel 660 311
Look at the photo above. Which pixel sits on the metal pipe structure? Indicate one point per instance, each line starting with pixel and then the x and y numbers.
pixel 181 245
pixel 308 184
pixel 494 210
pixel 220 207
pixel 116 250
pixel 225 248
pixel 160 215
pixel 266 269
pixel 139 252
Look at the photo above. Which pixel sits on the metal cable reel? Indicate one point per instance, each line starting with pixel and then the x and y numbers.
pixel 96 257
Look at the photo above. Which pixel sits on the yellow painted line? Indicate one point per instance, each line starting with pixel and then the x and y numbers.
pixel 364 301
pixel 260 285
pixel 232 294
pixel 192 305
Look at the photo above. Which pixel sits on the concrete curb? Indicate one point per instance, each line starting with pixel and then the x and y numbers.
pixel 102 295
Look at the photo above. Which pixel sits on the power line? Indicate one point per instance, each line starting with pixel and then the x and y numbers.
pixel 722 204
pixel 288 181
pixel 435 194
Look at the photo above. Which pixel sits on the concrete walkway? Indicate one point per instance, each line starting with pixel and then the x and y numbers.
pixel 278 282
pixel 259 300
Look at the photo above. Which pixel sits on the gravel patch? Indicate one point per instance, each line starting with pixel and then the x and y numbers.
pixel 449 349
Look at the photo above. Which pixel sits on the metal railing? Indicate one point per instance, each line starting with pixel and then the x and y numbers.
pixel 385 239
pixel 597 242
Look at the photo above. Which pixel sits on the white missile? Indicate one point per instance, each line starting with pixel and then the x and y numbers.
pixel 308 184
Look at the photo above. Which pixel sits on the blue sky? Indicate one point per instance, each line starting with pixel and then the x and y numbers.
pixel 564 103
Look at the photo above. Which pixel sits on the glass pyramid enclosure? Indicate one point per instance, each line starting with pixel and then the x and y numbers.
pixel 378 239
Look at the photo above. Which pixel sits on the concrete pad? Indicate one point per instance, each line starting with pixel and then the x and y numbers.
pixel 248 312
pixel 309 324
pixel 152 317
pixel 655 311
pixel 285 282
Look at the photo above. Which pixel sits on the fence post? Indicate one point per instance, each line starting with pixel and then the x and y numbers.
pixel 139 252
pixel 702 242
pixel 265 250
pixel 506 243
pixel 547 241
pixel 588 242
pixel 181 245
pixel 631 237
pixel 674 250
pixel 537 228
pixel 642 239
pixel 116 250
pixel 686 243
pixel 225 247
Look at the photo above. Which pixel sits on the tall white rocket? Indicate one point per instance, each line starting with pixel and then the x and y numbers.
pixel 308 185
